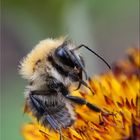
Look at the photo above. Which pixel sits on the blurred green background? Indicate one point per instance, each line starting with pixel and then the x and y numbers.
pixel 107 26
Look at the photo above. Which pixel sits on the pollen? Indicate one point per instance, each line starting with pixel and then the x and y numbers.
pixel 117 92
pixel 40 51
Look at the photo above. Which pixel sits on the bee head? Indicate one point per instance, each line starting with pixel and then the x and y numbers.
pixel 69 58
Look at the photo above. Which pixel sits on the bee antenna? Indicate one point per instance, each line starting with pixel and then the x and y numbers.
pixel 82 45
pixel 80 64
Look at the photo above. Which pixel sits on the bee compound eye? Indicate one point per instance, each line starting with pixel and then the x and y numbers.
pixel 65 57
pixel 61 53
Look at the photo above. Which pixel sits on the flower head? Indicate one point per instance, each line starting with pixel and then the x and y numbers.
pixel 117 92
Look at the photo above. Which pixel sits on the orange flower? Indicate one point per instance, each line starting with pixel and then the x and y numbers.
pixel 117 92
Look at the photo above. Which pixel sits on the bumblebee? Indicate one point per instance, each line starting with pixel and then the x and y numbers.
pixel 51 68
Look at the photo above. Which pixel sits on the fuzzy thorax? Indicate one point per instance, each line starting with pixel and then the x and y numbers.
pixel 39 53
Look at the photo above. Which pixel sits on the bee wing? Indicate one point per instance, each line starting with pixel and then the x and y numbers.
pixel 52 122
pixel 37 104
pixel 41 109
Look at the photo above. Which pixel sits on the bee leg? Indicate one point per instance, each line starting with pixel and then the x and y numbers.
pixel 93 107
pixel 60 134
pixel 79 85
pixel 81 78
pixel 85 84
pixel 82 101
pixel 81 82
